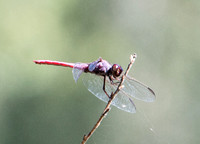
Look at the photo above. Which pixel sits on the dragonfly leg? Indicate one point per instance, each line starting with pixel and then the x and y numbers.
pixel 104 86
pixel 112 82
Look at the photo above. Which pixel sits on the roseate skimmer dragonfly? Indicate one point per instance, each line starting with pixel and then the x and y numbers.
pixel 101 79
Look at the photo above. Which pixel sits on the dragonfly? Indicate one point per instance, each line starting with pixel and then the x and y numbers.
pixel 101 78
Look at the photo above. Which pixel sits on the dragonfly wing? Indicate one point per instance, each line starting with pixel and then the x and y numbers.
pixel 138 90
pixel 123 102
pixel 94 84
pixel 78 69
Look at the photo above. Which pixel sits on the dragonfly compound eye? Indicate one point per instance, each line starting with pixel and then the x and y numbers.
pixel 116 70
pixel 115 67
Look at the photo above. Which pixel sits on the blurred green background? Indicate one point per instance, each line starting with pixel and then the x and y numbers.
pixel 43 104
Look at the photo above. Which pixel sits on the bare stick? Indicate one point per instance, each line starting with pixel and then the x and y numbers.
pixel 112 96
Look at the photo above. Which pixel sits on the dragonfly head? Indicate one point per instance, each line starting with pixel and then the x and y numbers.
pixel 116 70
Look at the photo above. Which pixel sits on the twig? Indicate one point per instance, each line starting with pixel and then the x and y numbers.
pixel 112 96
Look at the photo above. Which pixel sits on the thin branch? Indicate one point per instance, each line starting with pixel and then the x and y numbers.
pixel 112 96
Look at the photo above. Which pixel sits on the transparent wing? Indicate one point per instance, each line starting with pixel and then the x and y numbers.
pixel 138 90
pixel 94 84
pixel 77 70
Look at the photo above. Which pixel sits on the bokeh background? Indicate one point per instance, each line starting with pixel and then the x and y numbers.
pixel 43 104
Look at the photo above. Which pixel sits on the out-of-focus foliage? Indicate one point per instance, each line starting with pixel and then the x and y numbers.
pixel 43 105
